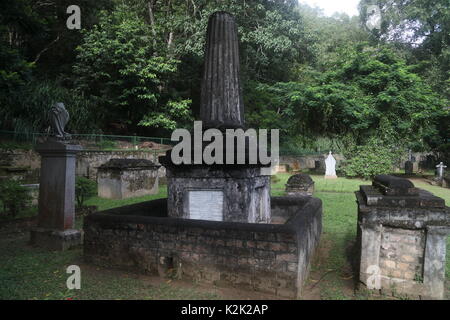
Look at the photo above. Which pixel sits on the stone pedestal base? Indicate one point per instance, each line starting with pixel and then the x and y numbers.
pixel 219 194
pixel 54 239
pixel 330 177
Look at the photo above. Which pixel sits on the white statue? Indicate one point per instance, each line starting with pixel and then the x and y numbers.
pixel 330 167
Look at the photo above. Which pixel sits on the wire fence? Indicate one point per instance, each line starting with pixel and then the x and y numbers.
pixel 27 140
pixel 88 141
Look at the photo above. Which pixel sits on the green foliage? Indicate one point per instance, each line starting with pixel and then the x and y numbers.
pixel 117 64
pixel 13 145
pixel 165 117
pixel 369 160
pixel 372 93
pixel 35 100
pixel 137 68
pixel 84 189
pixel 106 144
pixel 421 29
pixel 14 197
pixel 14 70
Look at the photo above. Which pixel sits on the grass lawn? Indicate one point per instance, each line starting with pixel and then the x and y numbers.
pixel 339 232
pixel 32 273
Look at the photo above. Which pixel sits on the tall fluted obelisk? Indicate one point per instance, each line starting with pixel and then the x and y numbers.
pixel 221 99
pixel 219 191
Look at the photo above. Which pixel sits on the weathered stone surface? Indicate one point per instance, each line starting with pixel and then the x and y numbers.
pixel 409 166
pixel 394 186
pixel 126 178
pixel 263 257
pixel 56 240
pixel 88 161
pixel 56 194
pixel 246 193
pixel 221 100
pixel 300 184
pixel 128 163
pixel 402 238
pixel 58 120
pixel 423 198
pixel 245 189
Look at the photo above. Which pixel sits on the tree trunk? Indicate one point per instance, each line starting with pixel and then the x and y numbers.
pixel 151 4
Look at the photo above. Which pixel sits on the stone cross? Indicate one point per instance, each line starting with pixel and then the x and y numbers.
pixel 221 104
pixel 440 170
pixel 330 167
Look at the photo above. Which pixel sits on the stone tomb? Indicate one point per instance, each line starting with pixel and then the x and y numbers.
pixel 126 178
pixel 300 184
pixel 270 258
pixel 401 236
pixel 215 226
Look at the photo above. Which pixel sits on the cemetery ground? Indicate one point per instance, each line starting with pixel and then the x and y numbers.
pixel 33 273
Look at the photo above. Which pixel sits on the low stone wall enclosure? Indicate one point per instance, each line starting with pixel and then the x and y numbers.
pixel 272 258
pixel 89 161
pixel 25 164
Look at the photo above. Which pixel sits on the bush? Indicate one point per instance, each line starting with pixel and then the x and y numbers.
pixel 26 108
pixel 369 160
pixel 107 144
pixel 14 197
pixel 84 189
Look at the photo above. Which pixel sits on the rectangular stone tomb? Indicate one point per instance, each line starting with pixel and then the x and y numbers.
pixel 402 234
pixel 126 178
pixel 271 258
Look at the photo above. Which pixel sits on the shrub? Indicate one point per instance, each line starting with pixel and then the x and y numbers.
pixel 26 108
pixel 369 160
pixel 107 144
pixel 14 197
pixel 84 189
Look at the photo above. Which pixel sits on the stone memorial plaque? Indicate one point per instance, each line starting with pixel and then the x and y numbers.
pixel 206 205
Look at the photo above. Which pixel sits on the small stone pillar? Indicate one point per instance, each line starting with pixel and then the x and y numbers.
pixel 300 184
pixel 127 178
pixel 318 165
pixel 409 167
pixel 56 217
pixel 402 234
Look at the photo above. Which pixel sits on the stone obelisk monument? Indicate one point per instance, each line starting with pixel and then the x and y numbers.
pixel 221 99
pixel 219 191
pixel 56 216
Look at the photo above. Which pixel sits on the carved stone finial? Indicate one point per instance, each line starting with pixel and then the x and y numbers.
pixel 58 120
pixel 221 100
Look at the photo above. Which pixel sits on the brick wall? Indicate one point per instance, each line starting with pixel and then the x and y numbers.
pixel 271 258
pixel 402 253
